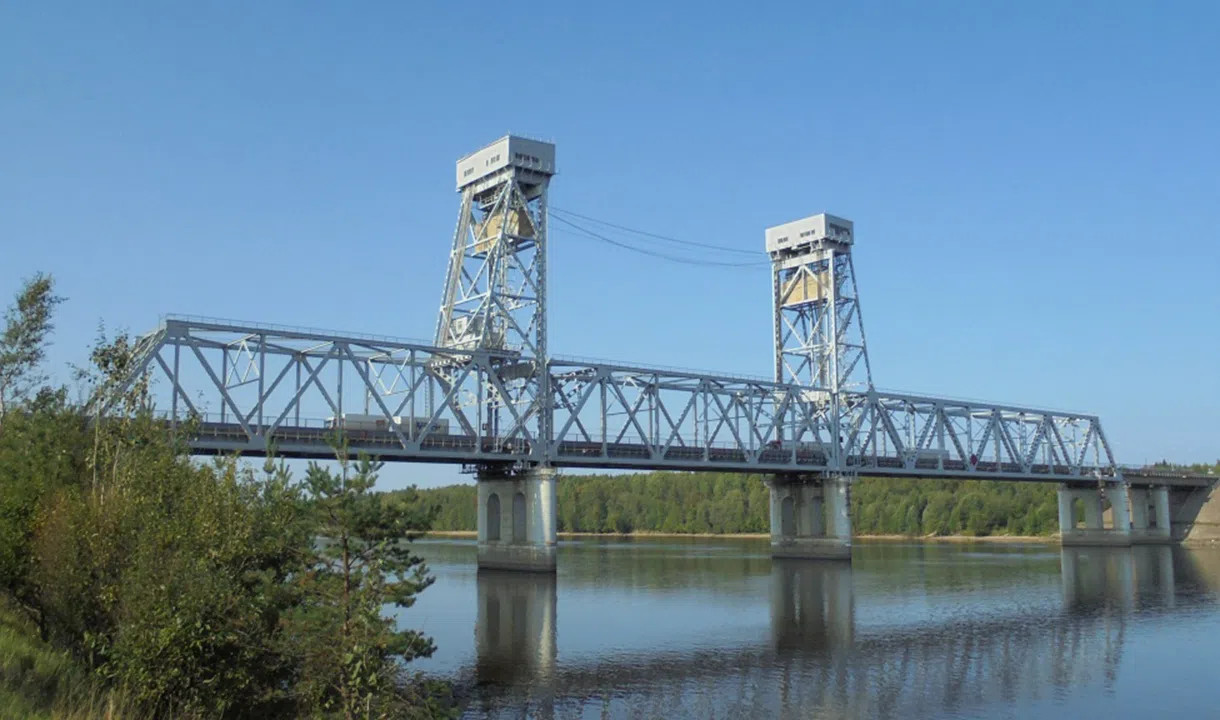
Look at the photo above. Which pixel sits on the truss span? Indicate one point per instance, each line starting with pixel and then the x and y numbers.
pixel 256 389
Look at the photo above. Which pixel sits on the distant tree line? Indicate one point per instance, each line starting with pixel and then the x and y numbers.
pixel 734 503
pixel 1200 468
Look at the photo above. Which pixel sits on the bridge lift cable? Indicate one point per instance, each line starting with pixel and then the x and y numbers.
pixel 657 236
pixel 653 253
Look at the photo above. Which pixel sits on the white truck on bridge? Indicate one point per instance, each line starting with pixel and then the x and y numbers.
pixel 353 421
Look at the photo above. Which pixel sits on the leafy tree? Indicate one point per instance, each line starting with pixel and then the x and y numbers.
pixel 27 324
pixel 196 622
pixel 42 451
pixel 169 578
pixel 454 507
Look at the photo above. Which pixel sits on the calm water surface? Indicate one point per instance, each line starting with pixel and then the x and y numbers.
pixel 716 629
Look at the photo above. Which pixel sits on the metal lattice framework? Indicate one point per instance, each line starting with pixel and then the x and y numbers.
pixel 819 332
pixel 610 415
pixel 485 390
pixel 818 328
pixel 495 288
pixel 254 388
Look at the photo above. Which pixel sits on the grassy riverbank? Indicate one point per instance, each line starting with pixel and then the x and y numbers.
pixel 38 682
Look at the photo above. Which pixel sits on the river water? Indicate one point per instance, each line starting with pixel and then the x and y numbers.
pixel 714 628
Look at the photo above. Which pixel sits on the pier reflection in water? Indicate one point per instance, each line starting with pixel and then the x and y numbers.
pixel 515 636
pixel 811 605
pixel 674 629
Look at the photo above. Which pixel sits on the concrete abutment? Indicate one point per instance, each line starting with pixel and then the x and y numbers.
pixel 1136 515
pixel 1195 514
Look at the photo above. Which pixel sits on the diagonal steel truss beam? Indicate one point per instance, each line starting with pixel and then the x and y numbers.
pixel 449 405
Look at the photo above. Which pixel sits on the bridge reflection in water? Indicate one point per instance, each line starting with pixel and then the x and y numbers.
pixel 818 658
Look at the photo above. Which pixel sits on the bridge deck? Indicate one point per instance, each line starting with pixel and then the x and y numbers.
pixel 252 389
pixel 315 443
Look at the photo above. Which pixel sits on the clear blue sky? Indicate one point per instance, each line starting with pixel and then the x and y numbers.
pixel 1035 185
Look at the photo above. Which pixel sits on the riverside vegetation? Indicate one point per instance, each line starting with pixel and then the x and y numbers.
pixel 136 582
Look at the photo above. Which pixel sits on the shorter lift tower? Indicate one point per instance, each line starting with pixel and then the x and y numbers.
pixel 819 344
pixel 819 337
pixel 495 303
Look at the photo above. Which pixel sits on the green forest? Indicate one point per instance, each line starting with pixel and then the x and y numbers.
pixel 732 503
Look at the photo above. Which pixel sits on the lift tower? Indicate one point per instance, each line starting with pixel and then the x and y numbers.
pixel 819 344
pixel 495 287
pixel 495 303
pixel 819 337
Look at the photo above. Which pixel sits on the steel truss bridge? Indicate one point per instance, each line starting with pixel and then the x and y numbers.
pixel 257 389
pixel 485 392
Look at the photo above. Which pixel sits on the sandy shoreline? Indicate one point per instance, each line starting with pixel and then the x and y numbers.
pixel 1039 539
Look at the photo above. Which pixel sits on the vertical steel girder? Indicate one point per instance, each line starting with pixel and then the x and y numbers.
pixel 494 296
pixel 819 333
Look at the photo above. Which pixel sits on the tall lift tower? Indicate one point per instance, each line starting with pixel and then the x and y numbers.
pixel 495 288
pixel 495 303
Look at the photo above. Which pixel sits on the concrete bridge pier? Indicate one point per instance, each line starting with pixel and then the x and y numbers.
pixel 810 516
pixel 516 519
pixel 1095 530
pixel 1150 515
